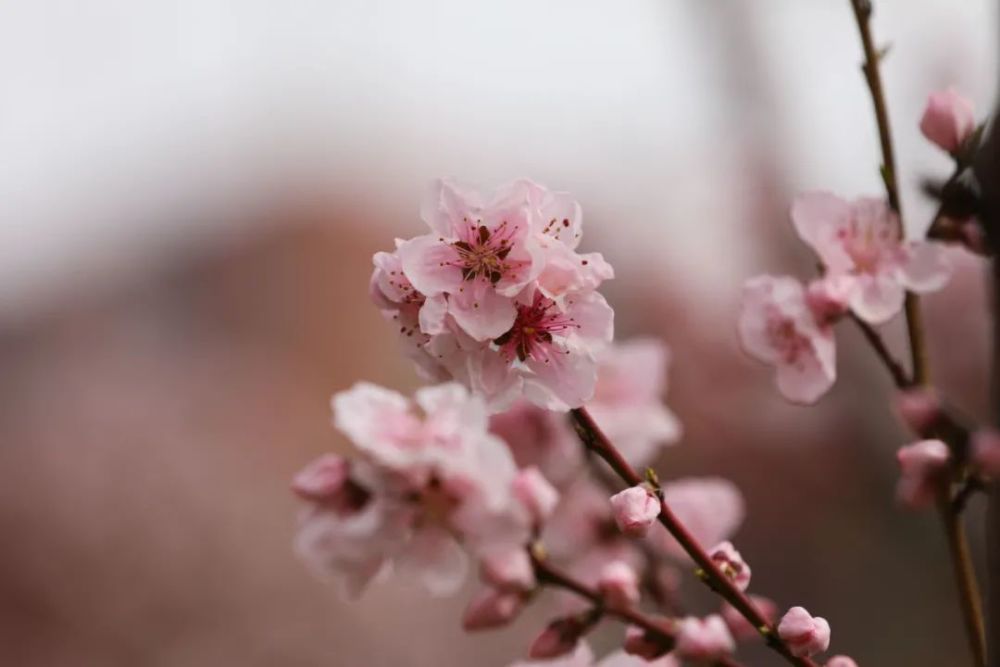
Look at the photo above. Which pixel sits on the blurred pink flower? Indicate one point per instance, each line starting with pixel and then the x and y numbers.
pixel 918 408
pixel 582 656
pixel 628 399
pixel 703 638
pixel 507 568
pixel 711 508
pixel 535 493
pixel 920 467
pixel 540 438
pixel 777 327
pixel 986 451
pixel 729 560
pixel 949 119
pixel 805 634
pixel 491 608
pixel 860 241
pixel 635 509
pixel 619 584
pixel 841 661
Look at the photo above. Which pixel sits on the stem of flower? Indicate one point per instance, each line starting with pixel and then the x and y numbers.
pixel 957 543
pixel 890 362
pixel 550 576
pixel 595 440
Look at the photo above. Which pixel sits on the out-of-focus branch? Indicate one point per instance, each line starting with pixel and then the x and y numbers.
pixel 965 577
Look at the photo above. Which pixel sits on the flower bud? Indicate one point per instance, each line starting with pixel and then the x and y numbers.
pixel 645 645
pixel 918 408
pixel 948 120
pixel 508 569
pixel 619 584
pixel 559 638
pixel 921 465
pixel 322 479
pixel 635 509
pixel 805 634
pixel 491 608
pixel 729 560
pixel 703 638
pixel 828 298
pixel 535 493
pixel 841 661
pixel 986 451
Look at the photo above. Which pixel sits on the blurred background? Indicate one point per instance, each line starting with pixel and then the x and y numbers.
pixel 190 195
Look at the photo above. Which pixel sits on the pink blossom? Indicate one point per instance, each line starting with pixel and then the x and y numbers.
pixel 920 466
pixel 741 628
pixel 729 560
pixel 491 608
pixel 703 638
pixel 326 478
pixel 551 347
pixel 619 584
pixel 949 119
pixel 840 661
pixel 628 399
pixel 540 438
pixel 777 327
pixel 508 568
pixel 829 298
pixel 805 634
pixel 711 508
pixel 479 255
pixel 919 408
pixel 635 509
pixel 986 451
pixel 535 493
pixel 860 241
pixel 428 479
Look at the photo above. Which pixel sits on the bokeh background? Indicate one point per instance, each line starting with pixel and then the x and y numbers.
pixel 190 195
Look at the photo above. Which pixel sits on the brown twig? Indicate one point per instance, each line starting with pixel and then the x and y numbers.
pixel 595 440
pixel 655 631
pixel 895 369
pixel 957 543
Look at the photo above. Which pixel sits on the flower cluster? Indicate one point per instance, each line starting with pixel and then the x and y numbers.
pixel 867 269
pixel 430 483
pixel 497 297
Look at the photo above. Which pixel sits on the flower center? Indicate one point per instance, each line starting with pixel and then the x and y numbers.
pixel 533 330
pixel 483 253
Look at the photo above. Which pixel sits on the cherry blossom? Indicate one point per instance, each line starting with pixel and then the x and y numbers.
pixel 540 438
pixel 479 254
pixel 628 399
pixel 840 661
pixel 805 634
pixel 778 327
pixel 619 584
pixel 919 408
pixel 427 480
pixel 948 120
pixel 491 608
pixel 860 241
pixel 582 656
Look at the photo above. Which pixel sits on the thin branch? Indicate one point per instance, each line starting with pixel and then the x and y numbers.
pixel 656 631
pixel 957 543
pixel 595 440
pixel 894 367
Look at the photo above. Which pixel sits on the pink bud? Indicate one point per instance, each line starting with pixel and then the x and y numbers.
pixel 732 564
pixel 508 569
pixel 638 643
pixel 535 492
pixel 805 634
pixel 948 120
pixel 703 638
pixel 973 237
pixel 920 465
pixel 491 608
pixel 619 584
pixel 986 451
pixel 742 628
pixel 635 509
pixel 828 297
pixel 841 661
pixel 559 638
pixel 323 478
pixel 918 408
